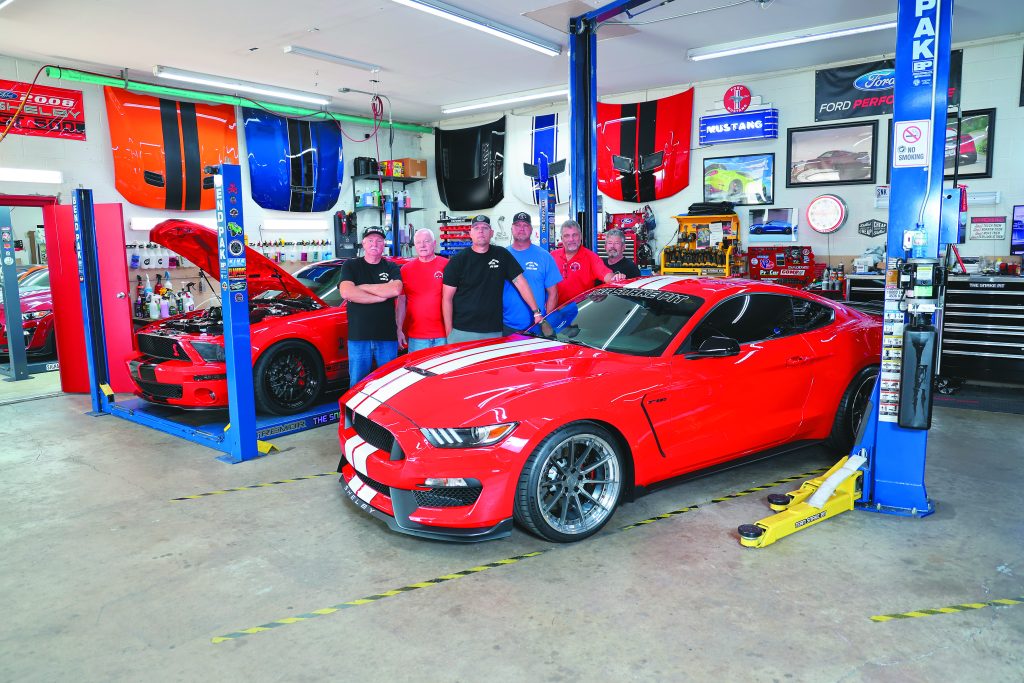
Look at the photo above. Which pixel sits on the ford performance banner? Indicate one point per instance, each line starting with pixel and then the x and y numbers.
pixel 858 90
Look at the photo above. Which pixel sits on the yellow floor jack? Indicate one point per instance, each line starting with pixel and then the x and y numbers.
pixel 816 500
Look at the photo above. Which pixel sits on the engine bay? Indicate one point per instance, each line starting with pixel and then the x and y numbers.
pixel 211 320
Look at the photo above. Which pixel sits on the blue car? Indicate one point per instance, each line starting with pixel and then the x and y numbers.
pixel 771 228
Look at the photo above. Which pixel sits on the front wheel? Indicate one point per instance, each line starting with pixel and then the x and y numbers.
pixel 288 378
pixel 851 411
pixel 570 485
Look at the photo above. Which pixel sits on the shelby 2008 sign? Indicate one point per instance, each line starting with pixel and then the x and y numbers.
pixel 44 112
pixel 867 89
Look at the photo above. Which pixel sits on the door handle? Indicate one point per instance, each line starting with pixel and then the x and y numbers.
pixel 797 360
pixel 121 295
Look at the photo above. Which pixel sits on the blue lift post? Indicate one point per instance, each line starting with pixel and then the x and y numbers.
pixel 239 438
pixel 17 368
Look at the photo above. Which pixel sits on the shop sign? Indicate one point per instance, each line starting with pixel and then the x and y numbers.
pixel 761 124
pixel 737 99
pixel 47 112
pixel 872 228
pixel 988 228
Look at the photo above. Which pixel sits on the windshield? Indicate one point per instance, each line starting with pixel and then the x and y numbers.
pixel 39 279
pixel 638 322
pixel 322 280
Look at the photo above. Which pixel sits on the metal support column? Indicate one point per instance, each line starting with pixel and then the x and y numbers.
pixel 92 308
pixel 11 300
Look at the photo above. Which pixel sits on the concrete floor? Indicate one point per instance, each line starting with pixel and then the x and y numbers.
pixel 104 578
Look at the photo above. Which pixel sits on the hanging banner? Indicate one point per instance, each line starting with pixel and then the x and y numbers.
pixel 865 89
pixel 48 112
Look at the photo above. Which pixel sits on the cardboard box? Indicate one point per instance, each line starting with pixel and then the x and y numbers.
pixel 414 168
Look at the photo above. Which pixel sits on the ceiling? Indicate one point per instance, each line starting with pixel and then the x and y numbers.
pixel 428 61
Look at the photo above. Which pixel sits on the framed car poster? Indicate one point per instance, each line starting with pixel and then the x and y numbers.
pixel 838 154
pixel 746 180
pixel 772 226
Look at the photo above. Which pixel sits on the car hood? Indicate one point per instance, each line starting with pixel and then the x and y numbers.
pixel 33 300
pixel 198 244
pixel 477 380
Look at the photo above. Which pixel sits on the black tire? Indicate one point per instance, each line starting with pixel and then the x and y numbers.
pixel 578 458
pixel 851 410
pixel 288 378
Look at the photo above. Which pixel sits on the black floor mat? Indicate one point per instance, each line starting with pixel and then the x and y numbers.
pixel 1001 399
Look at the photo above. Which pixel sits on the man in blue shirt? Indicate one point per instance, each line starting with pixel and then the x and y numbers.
pixel 541 274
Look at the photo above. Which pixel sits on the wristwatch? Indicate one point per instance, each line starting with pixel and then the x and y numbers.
pixel 537 312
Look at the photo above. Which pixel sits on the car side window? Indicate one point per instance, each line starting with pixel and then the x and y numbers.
pixel 746 318
pixel 810 315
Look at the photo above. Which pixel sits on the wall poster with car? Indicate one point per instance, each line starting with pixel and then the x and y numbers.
pixel 837 154
pixel 745 180
pixel 772 225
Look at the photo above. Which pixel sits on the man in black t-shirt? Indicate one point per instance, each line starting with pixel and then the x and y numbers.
pixel 615 245
pixel 473 285
pixel 370 284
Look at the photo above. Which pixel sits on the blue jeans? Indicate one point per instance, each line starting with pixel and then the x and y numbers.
pixel 420 344
pixel 363 353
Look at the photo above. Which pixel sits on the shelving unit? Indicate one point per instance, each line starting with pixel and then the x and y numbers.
pixel 454 234
pixel 698 252
pixel 361 208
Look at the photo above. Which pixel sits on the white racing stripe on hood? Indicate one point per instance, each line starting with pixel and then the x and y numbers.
pixel 367 406
pixel 351 445
pixel 434 362
pixel 359 456
pixel 653 282
pixel 461 363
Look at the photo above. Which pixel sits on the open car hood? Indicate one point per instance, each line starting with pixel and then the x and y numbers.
pixel 198 244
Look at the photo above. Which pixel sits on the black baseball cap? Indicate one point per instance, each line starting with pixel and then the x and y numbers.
pixel 374 230
pixel 480 218
pixel 522 217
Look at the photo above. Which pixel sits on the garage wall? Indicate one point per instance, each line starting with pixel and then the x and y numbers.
pixel 991 78
pixel 90 164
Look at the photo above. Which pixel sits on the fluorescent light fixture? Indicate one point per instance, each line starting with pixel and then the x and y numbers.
pixel 30 175
pixel 328 57
pixel 501 100
pixel 461 16
pixel 849 28
pixel 237 85
pixel 5 3
pixel 317 224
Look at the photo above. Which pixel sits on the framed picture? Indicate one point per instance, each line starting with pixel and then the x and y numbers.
pixel 1017 231
pixel 977 131
pixel 839 154
pixel 746 180
pixel 772 225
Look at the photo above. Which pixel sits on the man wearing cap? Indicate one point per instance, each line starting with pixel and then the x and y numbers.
pixel 541 274
pixel 615 245
pixel 420 324
pixel 370 284
pixel 580 267
pixel 473 283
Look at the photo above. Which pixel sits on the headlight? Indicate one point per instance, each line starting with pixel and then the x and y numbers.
pixel 209 351
pixel 35 315
pixel 467 437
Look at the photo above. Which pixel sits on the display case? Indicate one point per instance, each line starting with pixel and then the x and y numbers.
pixel 705 245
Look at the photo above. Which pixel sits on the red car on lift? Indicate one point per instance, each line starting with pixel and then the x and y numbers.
pixel 624 386
pixel 299 340
pixel 36 314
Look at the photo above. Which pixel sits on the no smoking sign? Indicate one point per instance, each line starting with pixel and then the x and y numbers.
pixel 911 144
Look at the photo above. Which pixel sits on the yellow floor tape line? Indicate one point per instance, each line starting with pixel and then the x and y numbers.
pixel 952 609
pixel 373 598
pixel 254 486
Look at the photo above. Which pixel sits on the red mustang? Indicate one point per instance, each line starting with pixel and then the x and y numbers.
pixel 624 386
pixel 297 328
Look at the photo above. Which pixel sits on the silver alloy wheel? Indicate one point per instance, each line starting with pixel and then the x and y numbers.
pixel 579 484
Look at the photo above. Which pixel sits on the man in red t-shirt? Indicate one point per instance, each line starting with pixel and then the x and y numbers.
pixel 580 267
pixel 420 325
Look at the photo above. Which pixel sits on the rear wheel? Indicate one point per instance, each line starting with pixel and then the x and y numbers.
pixel 288 378
pixel 851 412
pixel 571 484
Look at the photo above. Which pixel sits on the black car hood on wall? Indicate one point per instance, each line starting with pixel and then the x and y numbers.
pixel 469 166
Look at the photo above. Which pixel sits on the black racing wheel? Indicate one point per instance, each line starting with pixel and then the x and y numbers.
pixel 851 410
pixel 288 378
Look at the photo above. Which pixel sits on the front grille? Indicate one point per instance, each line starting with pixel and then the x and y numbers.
pixel 371 432
pixel 161 347
pixel 160 390
pixel 448 496
pixel 375 485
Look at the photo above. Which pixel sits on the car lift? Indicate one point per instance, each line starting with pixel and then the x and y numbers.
pixel 239 438
pixel 17 367
pixel 887 473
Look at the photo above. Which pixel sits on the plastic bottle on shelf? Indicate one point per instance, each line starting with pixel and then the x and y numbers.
pixel 154 306
pixel 190 303
pixel 164 308
pixel 149 286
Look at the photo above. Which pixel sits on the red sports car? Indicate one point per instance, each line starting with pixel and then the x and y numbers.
pixel 36 314
pixel 298 337
pixel 624 386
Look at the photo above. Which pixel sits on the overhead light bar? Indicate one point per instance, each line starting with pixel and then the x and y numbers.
pixel 503 100
pixel 5 3
pixel 328 57
pixel 30 175
pixel 850 28
pixel 461 16
pixel 235 84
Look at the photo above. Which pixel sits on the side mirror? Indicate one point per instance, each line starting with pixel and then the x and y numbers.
pixel 715 347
